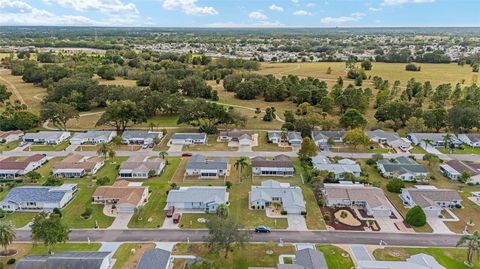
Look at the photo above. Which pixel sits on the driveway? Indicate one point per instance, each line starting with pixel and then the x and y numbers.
pixel 438 226
pixel 296 223
pixel 244 149
pixel 121 221
pixel 168 224
pixel 175 148
pixel 387 224
pixel 360 253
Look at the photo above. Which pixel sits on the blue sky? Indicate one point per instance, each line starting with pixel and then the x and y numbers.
pixel 241 13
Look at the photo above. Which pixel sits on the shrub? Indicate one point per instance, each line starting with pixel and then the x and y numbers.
pixel 103 181
pixel 53 181
pixel 303 213
pixel 2 213
pixel 228 184
pixel 88 212
pixel 395 185
pixel 326 217
pixel 458 206
pixel 11 261
pixel 371 162
pixel 416 217
pixel 343 214
pixel 283 212
pixel 57 212
pixel 412 67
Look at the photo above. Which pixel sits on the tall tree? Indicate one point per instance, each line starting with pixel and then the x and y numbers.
pixel 352 119
pixel 49 229
pixel 435 118
pixel 472 242
pixel 121 114
pixel 4 94
pixel 356 137
pixel 7 234
pixel 224 233
pixel 58 113
pixel 308 148
pixel 240 164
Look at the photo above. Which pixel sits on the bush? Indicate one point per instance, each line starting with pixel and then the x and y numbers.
pixel 395 185
pixel 228 184
pixel 412 67
pixel 88 212
pixel 303 213
pixel 458 206
pixel 371 162
pixel 103 181
pixel 57 212
pixel 11 261
pixel 2 213
pixel 326 217
pixel 283 212
pixel 53 181
pixel 416 217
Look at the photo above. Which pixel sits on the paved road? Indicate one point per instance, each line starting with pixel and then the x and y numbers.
pixel 334 237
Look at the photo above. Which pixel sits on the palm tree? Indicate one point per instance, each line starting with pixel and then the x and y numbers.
pixel 447 139
pixel 472 242
pixel 111 153
pixel 427 142
pixel 103 149
pixel 7 234
pixel 152 125
pixel 222 211
pixel 284 135
pixel 239 165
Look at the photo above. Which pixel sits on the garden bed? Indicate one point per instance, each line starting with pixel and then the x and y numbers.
pixel 344 227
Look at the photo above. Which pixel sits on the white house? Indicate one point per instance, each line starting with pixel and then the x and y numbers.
pixel 140 137
pixel 293 138
pixel 371 199
pixel 71 260
pixel 418 261
pixel 46 137
pixel 200 166
pixel 141 167
pixel 188 138
pixel 10 136
pixel 124 196
pixel 473 140
pixel 389 139
pixel 243 138
pixel 431 200
pixel 280 165
pixel 321 138
pixel 202 198
pixel 38 198
pixel 273 192
pixel 343 166
pixel 12 167
pixel 92 137
pixel 453 169
pixel 435 139
pixel 76 166
pixel 404 168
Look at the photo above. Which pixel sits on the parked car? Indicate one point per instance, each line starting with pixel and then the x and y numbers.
pixel 151 146
pixel 170 211
pixel 187 154
pixel 176 217
pixel 262 229
pixel 23 143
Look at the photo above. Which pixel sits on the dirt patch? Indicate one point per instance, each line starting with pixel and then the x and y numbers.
pixel 336 224
pixel 347 218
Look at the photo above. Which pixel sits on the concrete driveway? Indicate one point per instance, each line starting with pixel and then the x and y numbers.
pixel 296 223
pixel 168 224
pixel 438 226
pixel 387 224
pixel 121 221
pixel 175 148
pixel 360 253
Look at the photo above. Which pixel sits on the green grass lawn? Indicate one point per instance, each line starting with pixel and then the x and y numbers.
pixel 124 256
pixel 359 149
pixel 41 249
pixel 154 209
pixel 465 150
pixel 189 220
pixel 58 147
pixel 252 255
pixel 448 257
pixel 334 257
pixel 9 146
pixel 19 219
pixel 417 150
pixel 263 144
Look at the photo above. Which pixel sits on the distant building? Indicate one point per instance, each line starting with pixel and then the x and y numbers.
pixel 435 139
pixel 432 200
pixel 404 168
pixel 453 169
pixel 76 166
pixel 125 197
pixel 200 166
pixel 140 137
pixel 46 137
pixel 70 260
pixel 188 139
pixel 271 192
pixel 321 138
pixel 473 140
pixel 203 198
pixel 322 163
pixel 390 139
pixel 10 136
pixel 38 198
pixel 13 167
pixel 280 165
pixel 92 137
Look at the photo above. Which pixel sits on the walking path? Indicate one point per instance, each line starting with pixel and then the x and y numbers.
pixel 14 89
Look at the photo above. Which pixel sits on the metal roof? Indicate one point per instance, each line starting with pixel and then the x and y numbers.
pixel 67 260
pixel 41 194
pixel 198 161
pixel 155 258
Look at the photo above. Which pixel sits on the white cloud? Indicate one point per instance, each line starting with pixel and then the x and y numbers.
pixel 295 1
pixel 311 4
pixel 14 7
pixel 343 19
pixel 375 9
pixel 257 15
pixel 276 8
pixel 106 6
pixel 259 24
pixel 302 13
pixel 401 2
pixel 189 7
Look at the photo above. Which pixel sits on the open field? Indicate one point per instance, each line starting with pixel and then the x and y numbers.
pixel 32 95
pixel 435 73
pixel 448 257
pixel 9 146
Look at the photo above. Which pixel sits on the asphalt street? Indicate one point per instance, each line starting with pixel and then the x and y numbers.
pixel 333 237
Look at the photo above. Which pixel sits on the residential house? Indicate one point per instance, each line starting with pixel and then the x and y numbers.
pixel 273 192
pixel 371 199
pixel 418 261
pixel 141 167
pixel 10 136
pixel 280 165
pixel 453 169
pixel 435 139
pixel 92 137
pixel 243 138
pixel 46 137
pixel 200 166
pixel 124 196
pixel 70 260
pixel 431 199
pixel 13 167
pixel 402 167
pixel 340 168
pixel 389 139
pixel 38 198
pixel 293 138
pixel 322 138
pixel 188 139
pixel 473 140
pixel 202 198
pixel 306 258
pixel 155 258
pixel 140 137
pixel 76 166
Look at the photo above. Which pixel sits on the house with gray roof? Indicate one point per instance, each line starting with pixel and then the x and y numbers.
pixel 473 140
pixel 371 199
pixel 430 199
pixel 141 137
pixel 405 168
pixel 321 138
pixel 156 258
pixel 13 167
pixel 418 261
pixel 244 138
pixel 38 198
pixel 453 169
pixel 389 139
pixel 273 192
pixel 199 166
pixel 46 137
pixel 188 139
pixel 306 258
pixel 292 138
pixel 340 168
pixel 280 165
pixel 202 198
pixel 70 260
pixel 92 137
pixel 141 167
pixel 435 139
